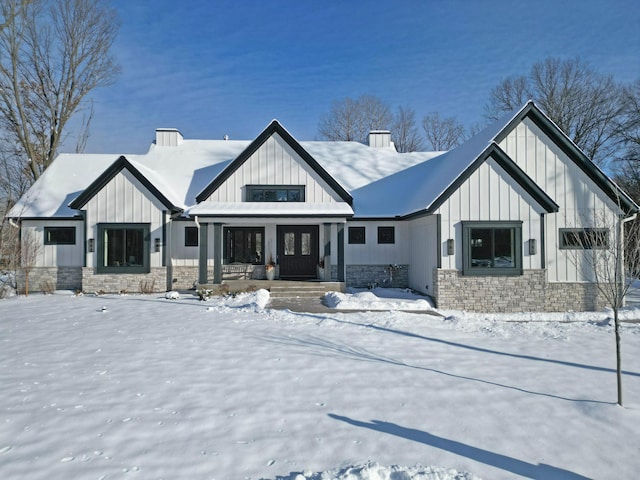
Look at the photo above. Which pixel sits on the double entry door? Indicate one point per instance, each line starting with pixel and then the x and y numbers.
pixel 298 251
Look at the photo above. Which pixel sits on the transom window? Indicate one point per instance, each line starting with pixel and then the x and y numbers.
pixel 283 193
pixel 244 245
pixel 123 248
pixel 492 248
pixel 583 238
pixel 59 235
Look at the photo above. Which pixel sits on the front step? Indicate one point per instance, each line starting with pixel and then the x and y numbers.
pixel 303 289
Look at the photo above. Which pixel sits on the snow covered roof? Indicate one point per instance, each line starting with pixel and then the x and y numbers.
pixel 378 182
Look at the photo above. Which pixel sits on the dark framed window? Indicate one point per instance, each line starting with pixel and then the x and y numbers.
pixel 59 235
pixel 492 248
pixel 583 238
pixel 277 193
pixel 190 236
pixel 386 234
pixel 244 245
pixel 357 235
pixel 123 248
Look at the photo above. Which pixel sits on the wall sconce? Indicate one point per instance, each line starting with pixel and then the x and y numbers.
pixel 451 247
pixel 90 245
pixel 156 244
pixel 533 247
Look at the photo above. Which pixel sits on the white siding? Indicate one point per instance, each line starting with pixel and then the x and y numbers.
pixel 182 256
pixel 125 200
pixel 582 203
pixel 489 194
pixel 54 255
pixel 372 253
pixel 423 241
pixel 275 163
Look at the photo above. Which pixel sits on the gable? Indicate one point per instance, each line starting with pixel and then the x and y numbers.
pixel 274 158
pixel 531 135
pixel 107 177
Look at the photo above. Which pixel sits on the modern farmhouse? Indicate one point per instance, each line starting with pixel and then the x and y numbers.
pixel 489 225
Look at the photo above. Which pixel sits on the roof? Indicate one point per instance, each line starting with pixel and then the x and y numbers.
pixel 378 182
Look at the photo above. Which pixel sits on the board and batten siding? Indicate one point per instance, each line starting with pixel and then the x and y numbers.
pixel 55 255
pixel 582 203
pixel 423 249
pixel 274 163
pixel 125 200
pixel 373 253
pixel 489 194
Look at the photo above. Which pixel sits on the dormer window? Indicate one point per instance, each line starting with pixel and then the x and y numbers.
pixel 275 193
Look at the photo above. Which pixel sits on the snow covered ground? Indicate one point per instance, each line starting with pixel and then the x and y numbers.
pixel 148 387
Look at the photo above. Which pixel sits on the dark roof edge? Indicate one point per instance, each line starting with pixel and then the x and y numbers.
pixel 116 167
pixel 549 128
pixel 273 127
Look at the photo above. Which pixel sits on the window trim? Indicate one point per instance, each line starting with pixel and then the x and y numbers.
pixel 468 270
pixel 146 248
pixel 186 237
pixel 355 241
pixel 389 228
pixel 564 246
pixel 301 189
pixel 48 230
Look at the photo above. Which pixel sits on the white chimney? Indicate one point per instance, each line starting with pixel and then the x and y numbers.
pixel 168 137
pixel 380 139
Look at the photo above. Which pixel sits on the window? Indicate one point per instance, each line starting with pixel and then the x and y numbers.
pixel 123 248
pixel 259 193
pixel 59 235
pixel 386 235
pixel 244 245
pixel 584 238
pixel 356 235
pixel 492 248
pixel 190 236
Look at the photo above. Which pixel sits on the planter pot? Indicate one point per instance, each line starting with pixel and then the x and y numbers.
pixel 271 273
pixel 321 273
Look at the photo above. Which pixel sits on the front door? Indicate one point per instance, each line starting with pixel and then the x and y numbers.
pixel 298 250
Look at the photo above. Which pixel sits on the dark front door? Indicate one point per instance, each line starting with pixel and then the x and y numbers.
pixel 298 250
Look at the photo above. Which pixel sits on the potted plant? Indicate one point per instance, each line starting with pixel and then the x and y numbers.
pixel 270 268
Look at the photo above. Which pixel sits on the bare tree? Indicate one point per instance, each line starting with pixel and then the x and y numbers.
pixel 442 133
pixel 582 102
pixel 52 55
pixel 404 132
pixel 610 251
pixel 352 120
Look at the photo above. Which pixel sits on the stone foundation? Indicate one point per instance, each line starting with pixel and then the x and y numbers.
pixel 529 292
pixel 363 276
pixel 154 281
pixel 49 279
pixel 183 278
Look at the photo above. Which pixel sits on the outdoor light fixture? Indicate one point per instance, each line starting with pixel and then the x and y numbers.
pixel 157 244
pixel 90 245
pixel 450 246
pixel 533 248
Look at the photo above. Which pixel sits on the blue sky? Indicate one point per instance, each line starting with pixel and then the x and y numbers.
pixel 216 67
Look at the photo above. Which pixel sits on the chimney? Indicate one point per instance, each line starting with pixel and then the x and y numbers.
pixel 168 137
pixel 380 139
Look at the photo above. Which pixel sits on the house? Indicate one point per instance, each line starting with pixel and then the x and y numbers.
pixel 486 226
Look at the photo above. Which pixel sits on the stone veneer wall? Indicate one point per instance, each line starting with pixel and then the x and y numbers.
pixel 529 292
pixel 361 276
pixel 45 279
pixel 155 280
pixel 184 278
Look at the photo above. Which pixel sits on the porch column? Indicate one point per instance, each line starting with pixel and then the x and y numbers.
pixel 217 253
pixel 327 251
pixel 340 252
pixel 203 253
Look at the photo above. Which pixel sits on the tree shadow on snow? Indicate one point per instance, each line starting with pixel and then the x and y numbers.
pixel 324 347
pixel 503 462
